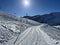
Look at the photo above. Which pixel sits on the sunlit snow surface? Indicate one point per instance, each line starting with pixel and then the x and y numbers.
pixel 21 31
pixel 11 27
pixel 39 35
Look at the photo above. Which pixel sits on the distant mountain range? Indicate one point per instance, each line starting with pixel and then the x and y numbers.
pixel 52 18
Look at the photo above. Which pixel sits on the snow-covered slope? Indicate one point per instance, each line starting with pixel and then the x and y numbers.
pixel 11 26
pixel 21 31
pixel 39 35
pixel 28 21
pixel 5 17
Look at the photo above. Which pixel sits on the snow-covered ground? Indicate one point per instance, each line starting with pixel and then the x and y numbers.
pixel 21 31
pixel 11 27
pixel 39 35
pixel 33 35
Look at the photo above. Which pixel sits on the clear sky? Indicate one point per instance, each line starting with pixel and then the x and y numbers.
pixel 32 7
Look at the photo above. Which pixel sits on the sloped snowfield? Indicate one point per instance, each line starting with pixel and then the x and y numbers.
pixel 39 35
pixel 11 27
pixel 10 30
pixel 21 31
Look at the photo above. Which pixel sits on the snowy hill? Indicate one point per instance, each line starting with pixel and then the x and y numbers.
pixel 52 18
pixel 11 26
pixel 22 31
pixel 39 35
pixel 5 16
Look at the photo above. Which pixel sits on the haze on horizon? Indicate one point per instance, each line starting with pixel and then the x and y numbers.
pixel 32 7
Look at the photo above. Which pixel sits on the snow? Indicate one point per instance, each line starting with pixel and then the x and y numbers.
pixel 11 27
pixel 58 27
pixel 21 31
pixel 39 35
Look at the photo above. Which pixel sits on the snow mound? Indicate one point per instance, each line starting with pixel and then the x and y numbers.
pixel 39 35
pixel 58 27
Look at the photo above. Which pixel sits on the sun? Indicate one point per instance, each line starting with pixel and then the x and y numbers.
pixel 26 3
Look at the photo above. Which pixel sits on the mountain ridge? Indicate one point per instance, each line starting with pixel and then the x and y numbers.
pixel 51 18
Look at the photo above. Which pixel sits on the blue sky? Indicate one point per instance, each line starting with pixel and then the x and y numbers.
pixel 15 7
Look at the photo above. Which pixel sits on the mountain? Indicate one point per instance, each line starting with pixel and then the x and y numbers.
pixel 11 26
pixel 39 35
pixel 52 18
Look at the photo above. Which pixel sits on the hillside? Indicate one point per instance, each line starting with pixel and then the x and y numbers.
pixel 52 18
pixel 23 31
pixel 11 26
